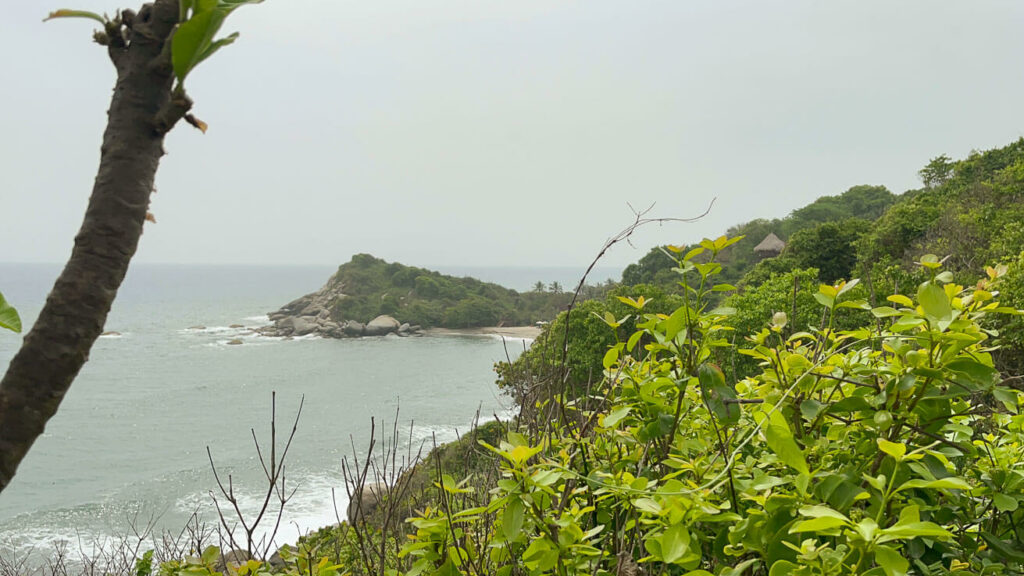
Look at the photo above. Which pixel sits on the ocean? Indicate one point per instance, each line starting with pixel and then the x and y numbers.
pixel 129 443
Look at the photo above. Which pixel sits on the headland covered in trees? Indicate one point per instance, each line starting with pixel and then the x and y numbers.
pixel 370 297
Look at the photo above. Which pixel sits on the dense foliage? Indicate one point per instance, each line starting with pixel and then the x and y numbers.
pixel 589 338
pixel 844 212
pixel 890 449
pixel 428 298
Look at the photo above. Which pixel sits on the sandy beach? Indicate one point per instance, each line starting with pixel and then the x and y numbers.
pixel 508 331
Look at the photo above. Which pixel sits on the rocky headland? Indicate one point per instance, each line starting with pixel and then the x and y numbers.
pixel 368 296
pixel 312 314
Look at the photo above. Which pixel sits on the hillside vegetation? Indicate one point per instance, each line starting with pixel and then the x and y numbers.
pixel 372 287
pixel 969 212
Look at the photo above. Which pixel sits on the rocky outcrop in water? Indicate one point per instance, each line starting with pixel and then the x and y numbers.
pixel 311 314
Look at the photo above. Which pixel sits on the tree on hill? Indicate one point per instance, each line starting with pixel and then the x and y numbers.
pixel 830 247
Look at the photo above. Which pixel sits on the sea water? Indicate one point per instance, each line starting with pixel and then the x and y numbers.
pixel 129 443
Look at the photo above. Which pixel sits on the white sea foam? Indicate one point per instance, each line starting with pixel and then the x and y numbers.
pixel 261 320
pixel 318 501
pixel 511 340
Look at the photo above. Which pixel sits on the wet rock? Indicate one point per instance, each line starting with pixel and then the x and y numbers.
pixel 353 328
pixel 304 325
pixel 276 560
pixel 235 342
pixel 382 325
pixel 232 558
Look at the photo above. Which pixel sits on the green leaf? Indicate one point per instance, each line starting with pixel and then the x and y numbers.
pixel 885 312
pixel 737 570
pixel 214 46
pixel 193 39
pixel 65 13
pixel 780 440
pixel 675 322
pixel 610 357
pixel 1002 548
pixel 648 505
pixel 1005 503
pixel 824 299
pixel 847 286
pixel 782 568
pixel 900 299
pixel 546 477
pixel 822 512
pixel 930 261
pixel 512 518
pixel 910 526
pixel 9 318
pixel 866 528
pixel 615 416
pixel 849 404
pixel 913 530
pixel 210 555
pixel 716 393
pixel 975 371
pixel 674 543
pixel 951 483
pixel 541 554
pixel 897 451
pixel 934 301
pixel 891 561
pixel 694 253
pixel 823 524
pixel 633 340
pixel 1007 396
pixel 810 409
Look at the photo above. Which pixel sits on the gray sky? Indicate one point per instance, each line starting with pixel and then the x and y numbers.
pixel 473 132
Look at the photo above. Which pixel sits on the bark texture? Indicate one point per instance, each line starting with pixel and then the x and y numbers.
pixel 142 110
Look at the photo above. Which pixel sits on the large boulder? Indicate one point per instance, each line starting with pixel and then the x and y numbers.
pixel 332 329
pixel 297 305
pixel 382 325
pixel 233 559
pixel 304 325
pixel 352 328
pixel 365 501
pixel 277 560
pixel 285 325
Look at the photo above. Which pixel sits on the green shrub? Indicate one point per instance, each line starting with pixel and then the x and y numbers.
pixel 882 450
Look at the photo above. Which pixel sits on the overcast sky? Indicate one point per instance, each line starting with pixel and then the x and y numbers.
pixel 476 132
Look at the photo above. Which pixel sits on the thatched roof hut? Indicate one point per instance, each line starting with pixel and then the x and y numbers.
pixel 770 246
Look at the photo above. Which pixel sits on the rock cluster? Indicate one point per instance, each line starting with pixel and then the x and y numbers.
pixel 311 314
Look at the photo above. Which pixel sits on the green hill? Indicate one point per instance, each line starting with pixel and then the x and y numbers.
pixel 372 287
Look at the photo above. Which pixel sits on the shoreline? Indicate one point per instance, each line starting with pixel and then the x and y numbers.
pixel 527 332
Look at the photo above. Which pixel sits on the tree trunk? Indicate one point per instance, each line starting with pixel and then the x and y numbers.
pixel 142 110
